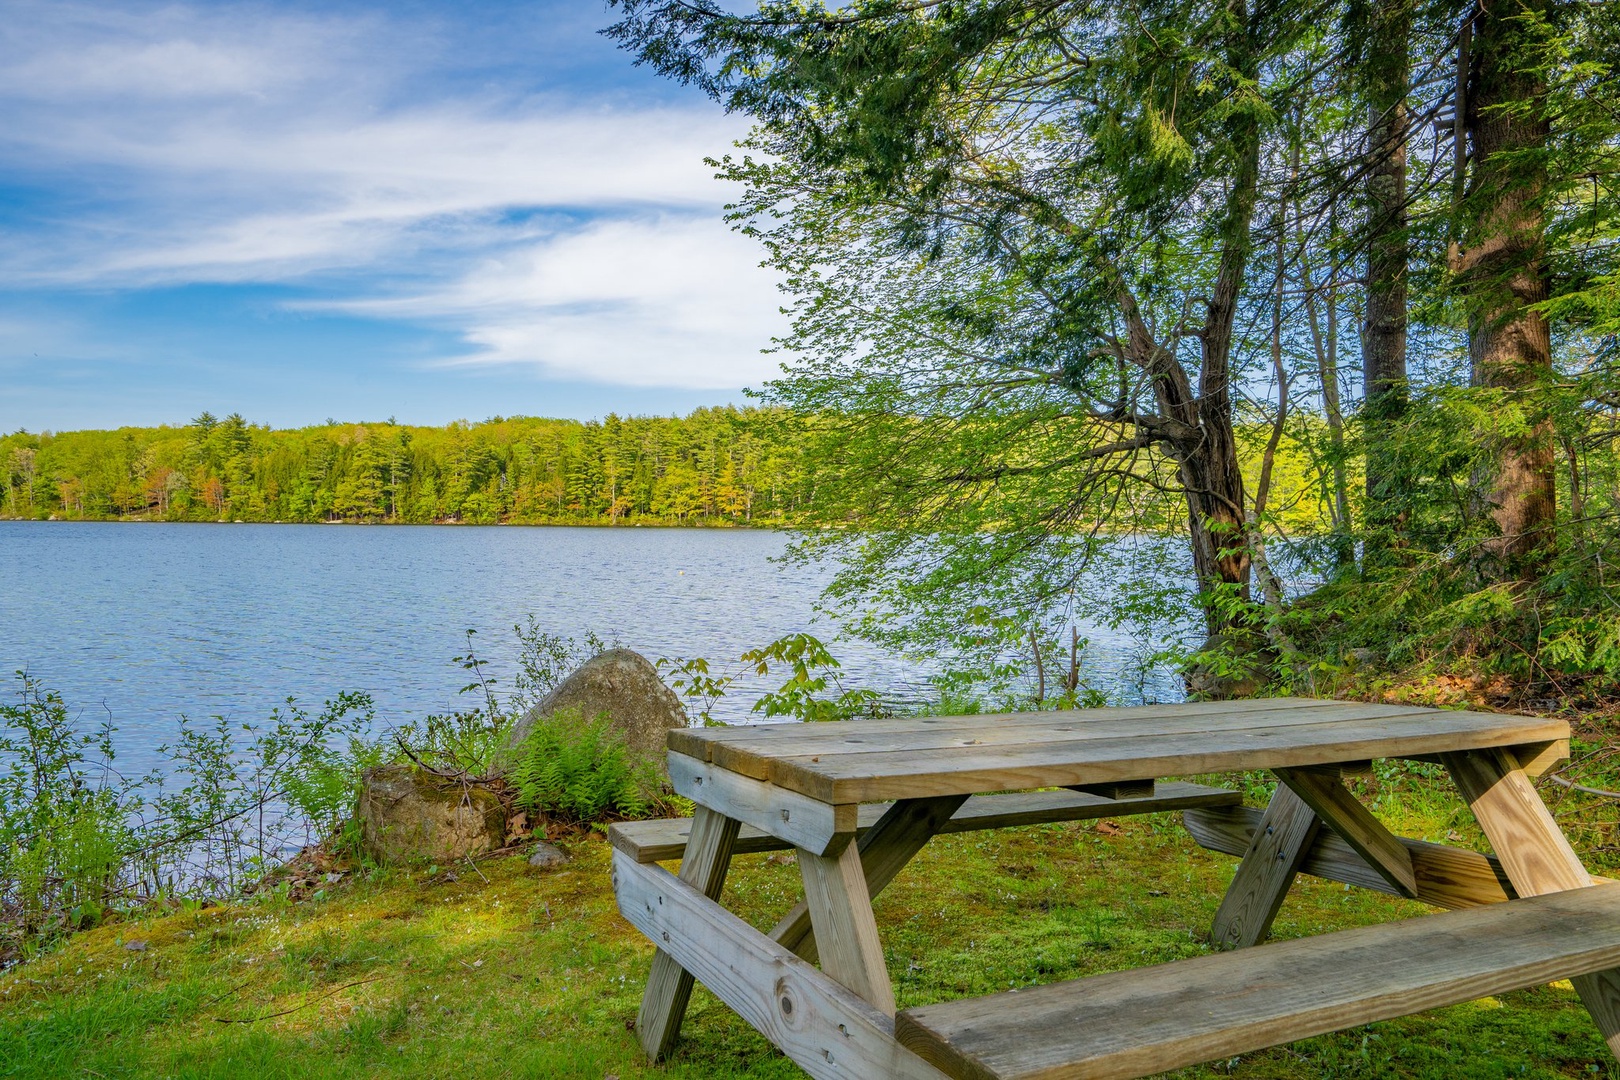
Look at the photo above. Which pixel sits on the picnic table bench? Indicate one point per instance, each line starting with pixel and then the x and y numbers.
pixel 1527 914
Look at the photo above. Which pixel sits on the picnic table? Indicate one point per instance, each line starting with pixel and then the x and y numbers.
pixel 857 800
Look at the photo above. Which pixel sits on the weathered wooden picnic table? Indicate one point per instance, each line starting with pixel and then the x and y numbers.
pixel 1525 915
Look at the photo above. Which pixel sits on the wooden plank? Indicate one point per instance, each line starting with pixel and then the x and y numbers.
pixel 1534 758
pixel 825 741
pixel 1446 877
pixel 830 1032
pixel 1341 770
pixel 1118 789
pixel 1038 807
pixel 922 773
pixel 846 930
pixel 1538 758
pixel 885 849
pixel 1133 1023
pixel 1531 846
pixel 669 986
pixel 1344 814
pixel 803 821
pixel 695 742
pixel 1536 855
pixel 665 838
pixel 1267 870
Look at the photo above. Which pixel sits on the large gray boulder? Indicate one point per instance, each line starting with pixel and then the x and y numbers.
pixel 623 684
pixel 408 813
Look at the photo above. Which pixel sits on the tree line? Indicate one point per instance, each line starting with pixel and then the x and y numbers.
pixel 716 466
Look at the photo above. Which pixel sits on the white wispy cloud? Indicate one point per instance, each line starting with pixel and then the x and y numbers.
pixel 246 144
pixel 661 300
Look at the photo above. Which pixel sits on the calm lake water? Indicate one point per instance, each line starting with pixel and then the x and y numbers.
pixel 150 621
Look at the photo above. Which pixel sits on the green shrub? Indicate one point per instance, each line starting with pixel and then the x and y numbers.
pixel 231 801
pixel 583 770
pixel 64 812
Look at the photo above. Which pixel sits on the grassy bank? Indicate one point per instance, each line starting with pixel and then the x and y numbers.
pixel 504 970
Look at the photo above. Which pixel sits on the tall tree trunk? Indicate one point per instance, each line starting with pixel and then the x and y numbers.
pixel 1209 468
pixel 1501 270
pixel 1386 74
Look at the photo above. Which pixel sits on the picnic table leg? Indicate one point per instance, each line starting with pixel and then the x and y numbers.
pixel 1267 870
pixel 846 930
pixel 885 850
pixel 1324 791
pixel 1535 854
pixel 669 986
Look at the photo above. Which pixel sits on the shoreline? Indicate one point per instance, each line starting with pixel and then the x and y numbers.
pixel 725 526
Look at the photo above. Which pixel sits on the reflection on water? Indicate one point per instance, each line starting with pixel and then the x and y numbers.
pixel 153 620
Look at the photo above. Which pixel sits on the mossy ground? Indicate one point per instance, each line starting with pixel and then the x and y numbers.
pixel 509 971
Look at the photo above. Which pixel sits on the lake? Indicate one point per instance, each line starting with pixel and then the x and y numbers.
pixel 146 621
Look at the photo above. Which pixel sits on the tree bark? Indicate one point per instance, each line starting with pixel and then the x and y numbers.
pixel 1386 74
pixel 1501 269
pixel 1210 470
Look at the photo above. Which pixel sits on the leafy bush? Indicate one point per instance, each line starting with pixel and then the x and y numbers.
pixel 237 798
pixel 77 837
pixel 64 835
pixel 582 770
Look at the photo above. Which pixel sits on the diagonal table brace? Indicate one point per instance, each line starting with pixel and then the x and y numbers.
pixel 885 849
pixel 1267 870
pixel 1535 853
pixel 1326 794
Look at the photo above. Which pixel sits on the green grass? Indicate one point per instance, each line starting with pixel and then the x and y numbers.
pixel 533 974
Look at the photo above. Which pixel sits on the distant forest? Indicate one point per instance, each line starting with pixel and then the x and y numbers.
pixel 717 466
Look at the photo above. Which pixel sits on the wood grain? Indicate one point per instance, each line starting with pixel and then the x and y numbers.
pixel 788 815
pixel 1446 877
pixel 885 849
pixel 855 738
pixel 846 930
pixel 1133 1023
pixel 695 742
pixel 669 986
pixel 827 1030
pixel 665 838
pixel 1344 814
pixel 1118 789
pixel 1535 854
pixel 1286 831
pixel 876 777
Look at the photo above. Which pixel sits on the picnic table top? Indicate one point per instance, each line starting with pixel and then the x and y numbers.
pixel 926 756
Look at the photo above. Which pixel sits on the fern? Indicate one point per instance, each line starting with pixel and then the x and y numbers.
pixel 583 770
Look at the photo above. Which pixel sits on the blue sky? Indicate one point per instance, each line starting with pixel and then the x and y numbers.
pixel 428 211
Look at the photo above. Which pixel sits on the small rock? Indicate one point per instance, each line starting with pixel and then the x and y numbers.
pixel 135 946
pixel 546 856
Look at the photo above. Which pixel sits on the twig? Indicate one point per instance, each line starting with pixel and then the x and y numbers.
pixel 233 990
pixel 1573 786
pixel 296 1008
pixel 475 868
